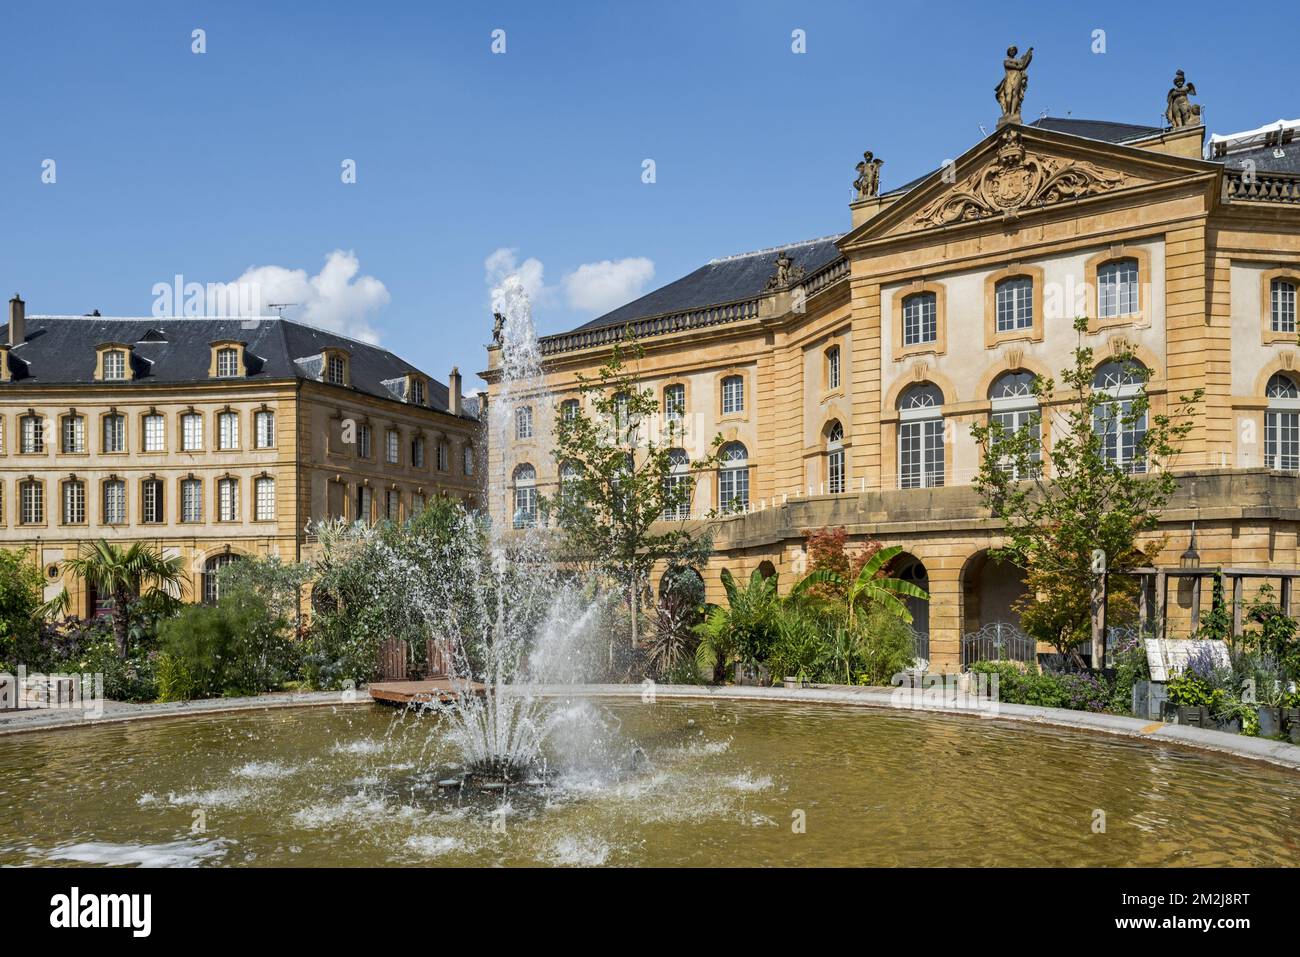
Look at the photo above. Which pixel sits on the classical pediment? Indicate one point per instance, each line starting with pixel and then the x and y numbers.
pixel 1019 170
pixel 1017 178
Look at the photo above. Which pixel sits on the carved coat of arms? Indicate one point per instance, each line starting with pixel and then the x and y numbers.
pixel 1015 180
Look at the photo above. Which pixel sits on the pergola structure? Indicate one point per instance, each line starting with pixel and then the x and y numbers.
pixel 1153 594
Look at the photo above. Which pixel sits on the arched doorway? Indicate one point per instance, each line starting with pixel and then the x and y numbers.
pixel 991 627
pixel 910 569
pixel 211 568
pixel 766 568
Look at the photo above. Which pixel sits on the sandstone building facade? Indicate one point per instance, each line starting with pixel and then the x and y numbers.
pixel 844 373
pixel 213 439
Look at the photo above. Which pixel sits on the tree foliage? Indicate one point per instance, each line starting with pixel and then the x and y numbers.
pixel 1061 496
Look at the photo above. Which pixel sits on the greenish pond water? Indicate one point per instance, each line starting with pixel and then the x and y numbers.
pixel 723 784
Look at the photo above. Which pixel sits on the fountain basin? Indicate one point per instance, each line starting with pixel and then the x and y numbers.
pixel 724 782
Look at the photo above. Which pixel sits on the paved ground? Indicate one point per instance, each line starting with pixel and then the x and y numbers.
pixel 1274 752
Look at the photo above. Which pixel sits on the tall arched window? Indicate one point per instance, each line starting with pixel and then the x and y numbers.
pixel 1117 289
pixel 1122 431
pixel 733 478
pixel 920 319
pixel 1013 407
pixel 835 481
pixel 920 437
pixel 1282 424
pixel 211 575
pixel 677 505
pixel 1282 305
pixel 1015 304
pixel 525 482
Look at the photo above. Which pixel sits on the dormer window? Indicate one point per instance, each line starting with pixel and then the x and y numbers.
pixel 114 365
pixel 113 362
pixel 227 359
pixel 416 391
pixel 336 367
pixel 227 362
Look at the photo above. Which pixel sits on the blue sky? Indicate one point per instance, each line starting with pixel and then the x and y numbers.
pixel 169 162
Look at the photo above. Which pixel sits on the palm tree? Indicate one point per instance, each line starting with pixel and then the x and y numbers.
pixel 744 627
pixel 871 586
pixel 138 572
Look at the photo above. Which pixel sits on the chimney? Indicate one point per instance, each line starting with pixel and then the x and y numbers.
pixel 17 320
pixel 453 391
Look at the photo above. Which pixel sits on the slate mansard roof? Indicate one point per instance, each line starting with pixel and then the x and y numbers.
pixel 60 350
pixel 737 278
pixel 722 280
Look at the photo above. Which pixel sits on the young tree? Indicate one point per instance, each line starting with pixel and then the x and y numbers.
pixel 624 490
pixel 1094 482
pixel 127 575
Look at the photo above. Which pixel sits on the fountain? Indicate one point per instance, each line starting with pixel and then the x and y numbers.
pixel 510 619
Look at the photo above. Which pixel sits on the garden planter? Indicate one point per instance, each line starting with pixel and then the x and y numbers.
pixel 1195 716
pixel 1270 722
pixel 795 682
pixel 1149 700
pixel 1291 723
pixel 1226 725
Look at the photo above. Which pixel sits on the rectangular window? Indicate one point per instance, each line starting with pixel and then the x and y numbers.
pixel 677 509
pixel 569 410
pixel 364 502
pixel 31 434
pixel 228 431
pixel 227 500
pixel 264 429
pixel 74 503
pixel 151 502
pixel 833 367
pixel 733 489
pixel 674 402
pixel 1015 304
pixel 835 472
pixel 468 464
pixel 31 503
pixel 1123 436
pixel 524 422
pixel 1117 289
pixel 444 456
pixel 733 395
pixel 363 441
pixel 74 434
pixel 392 504
pixel 337 371
pixel 191 432
pixel 525 507
pixel 1282 441
pixel 115 502
pixel 114 433
pixel 417 452
pixel 1011 423
pixel 417 391
pixel 227 362
pixel 392 443
pixel 191 500
pixel 264 499
pixel 417 503
pixel 920 319
pixel 115 365
pixel 1283 306
pixel 920 454
pixel 154 428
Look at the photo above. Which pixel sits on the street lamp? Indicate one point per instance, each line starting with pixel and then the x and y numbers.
pixel 1190 558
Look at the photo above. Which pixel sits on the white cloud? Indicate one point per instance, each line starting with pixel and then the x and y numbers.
pixel 336 298
pixel 608 284
pixel 505 262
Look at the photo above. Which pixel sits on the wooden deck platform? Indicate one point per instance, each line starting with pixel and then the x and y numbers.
pixel 417 692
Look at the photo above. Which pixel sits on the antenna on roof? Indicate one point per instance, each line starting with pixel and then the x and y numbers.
pixel 281 306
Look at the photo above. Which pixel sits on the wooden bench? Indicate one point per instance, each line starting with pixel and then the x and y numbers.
pixel 393 657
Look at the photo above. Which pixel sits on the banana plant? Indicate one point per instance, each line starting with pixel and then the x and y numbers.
pixel 870 586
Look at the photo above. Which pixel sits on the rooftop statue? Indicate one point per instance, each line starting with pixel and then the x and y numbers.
pixel 1178 110
pixel 1011 91
pixel 868 182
